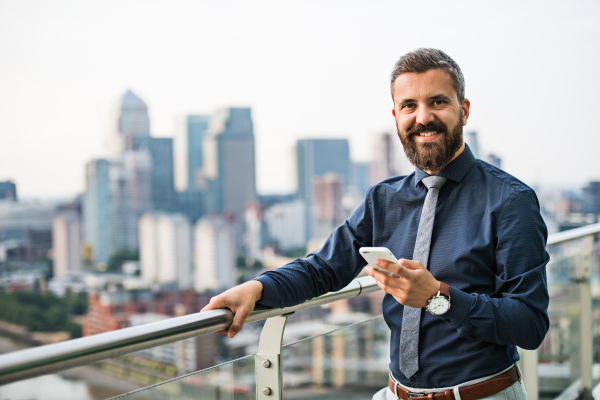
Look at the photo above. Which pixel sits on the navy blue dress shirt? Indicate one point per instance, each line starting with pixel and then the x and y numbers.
pixel 488 244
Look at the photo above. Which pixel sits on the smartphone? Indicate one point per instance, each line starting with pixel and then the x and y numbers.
pixel 372 254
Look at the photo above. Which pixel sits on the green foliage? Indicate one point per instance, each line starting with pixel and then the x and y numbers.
pixel 297 252
pixel 240 261
pixel 42 312
pixel 119 257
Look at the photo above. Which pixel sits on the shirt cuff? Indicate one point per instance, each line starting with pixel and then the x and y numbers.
pixel 460 304
pixel 269 294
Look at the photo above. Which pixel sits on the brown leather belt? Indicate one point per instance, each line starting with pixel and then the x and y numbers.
pixel 477 391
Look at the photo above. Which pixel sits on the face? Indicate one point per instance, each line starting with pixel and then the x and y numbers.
pixel 429 118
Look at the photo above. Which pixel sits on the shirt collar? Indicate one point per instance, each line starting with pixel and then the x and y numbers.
pixel 455 171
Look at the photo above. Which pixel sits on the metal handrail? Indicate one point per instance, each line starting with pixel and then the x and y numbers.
pixel 571 234
pixel 52 358
pixel 22 364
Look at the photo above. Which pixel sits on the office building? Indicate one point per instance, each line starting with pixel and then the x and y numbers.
pixel 252 232
pixel 148 247
pixel 26 234
pixel 174 250
pixel 214 254
pixel 133 124
pixel 387 158
pixel 229 162
pixel 66 243
pixel 591 197
pixel 8 191
pixel 192 204
pixel 471 139
pixel 360 175
pixel 286 224
pixel 130 180
pixel 162 172
pixel 315 158
pixel 97 210
pixel 196 128
pixel 494 160
pixel 327 211
pixel 165 249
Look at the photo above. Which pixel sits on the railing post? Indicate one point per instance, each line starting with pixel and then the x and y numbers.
pixel 584 275
pixel 269 369
pixel 529 369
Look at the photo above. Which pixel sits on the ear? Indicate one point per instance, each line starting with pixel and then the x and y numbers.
pixel 466 109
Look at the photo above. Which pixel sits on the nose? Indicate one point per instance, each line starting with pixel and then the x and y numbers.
pixel 424 115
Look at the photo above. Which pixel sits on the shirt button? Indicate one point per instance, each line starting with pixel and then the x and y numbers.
pixel 412 379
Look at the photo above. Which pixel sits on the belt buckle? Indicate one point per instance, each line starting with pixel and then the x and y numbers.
pixel 410 395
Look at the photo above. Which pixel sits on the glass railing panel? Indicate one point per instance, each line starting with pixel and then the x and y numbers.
pixel 234 380
pixel 559 354
pixel 346 363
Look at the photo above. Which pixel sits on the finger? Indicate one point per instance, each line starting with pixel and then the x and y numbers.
pixel 221 332
pixel 387 281
pixel 238 321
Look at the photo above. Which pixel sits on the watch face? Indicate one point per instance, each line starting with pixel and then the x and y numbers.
pixel 438 305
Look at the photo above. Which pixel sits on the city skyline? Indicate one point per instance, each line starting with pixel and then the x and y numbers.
pixel 307 70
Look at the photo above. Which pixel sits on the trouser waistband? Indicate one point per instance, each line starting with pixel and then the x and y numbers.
pixel 485 388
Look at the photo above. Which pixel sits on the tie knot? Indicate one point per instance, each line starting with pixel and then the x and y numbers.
pixel 435 182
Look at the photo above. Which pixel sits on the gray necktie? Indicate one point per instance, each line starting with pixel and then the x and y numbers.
pixel 411 319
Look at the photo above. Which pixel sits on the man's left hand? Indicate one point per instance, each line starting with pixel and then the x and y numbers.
pixel 415 286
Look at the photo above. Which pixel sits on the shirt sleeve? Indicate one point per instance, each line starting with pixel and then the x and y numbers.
pixel 329 269
pixel 518 313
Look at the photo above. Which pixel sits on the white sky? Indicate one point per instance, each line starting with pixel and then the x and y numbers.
pixel 307 68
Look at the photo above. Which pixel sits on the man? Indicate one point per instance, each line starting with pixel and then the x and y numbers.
pixel 476 228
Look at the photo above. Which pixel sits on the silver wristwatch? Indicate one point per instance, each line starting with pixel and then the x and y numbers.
pixel 440 303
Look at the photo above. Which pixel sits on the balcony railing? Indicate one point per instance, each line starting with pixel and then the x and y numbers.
pixel 344 358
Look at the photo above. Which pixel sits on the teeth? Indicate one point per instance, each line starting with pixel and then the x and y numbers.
pixel 427 133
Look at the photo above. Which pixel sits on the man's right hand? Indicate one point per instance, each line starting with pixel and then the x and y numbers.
pixel 240 300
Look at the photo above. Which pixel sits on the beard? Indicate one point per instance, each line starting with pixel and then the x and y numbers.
pixel 432 156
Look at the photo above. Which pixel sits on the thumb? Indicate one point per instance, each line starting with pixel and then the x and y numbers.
pixel 411 264
pixel 213 304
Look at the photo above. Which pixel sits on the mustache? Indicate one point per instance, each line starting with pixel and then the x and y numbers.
pixel 437 126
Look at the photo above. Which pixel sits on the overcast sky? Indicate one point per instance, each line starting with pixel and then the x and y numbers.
pixel 307 69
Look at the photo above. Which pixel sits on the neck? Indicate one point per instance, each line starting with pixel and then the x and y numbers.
pixel 460 150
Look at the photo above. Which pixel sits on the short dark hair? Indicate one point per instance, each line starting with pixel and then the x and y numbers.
pixel 424 59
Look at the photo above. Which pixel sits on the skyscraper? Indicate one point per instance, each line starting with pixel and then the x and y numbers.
pixel 471 140
pixel 386 158
pixel 286 224
pixel 8 191
pixel 165 249
pixel 66 243
pixel 327 211
pixel 130 179
pixel 214 254
pixel 133 123
pixel 197 126
pixel 229 162
pixel 315 158
pixel 97 210
pixel 161 178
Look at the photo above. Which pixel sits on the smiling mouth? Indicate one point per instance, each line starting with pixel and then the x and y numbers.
pixel 427 133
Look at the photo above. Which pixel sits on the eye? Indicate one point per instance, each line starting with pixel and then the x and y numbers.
pixel 439 102
pixel 408 105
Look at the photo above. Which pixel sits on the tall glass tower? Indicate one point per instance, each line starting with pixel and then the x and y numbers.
pixel 97 210
pixel 197 126
pixel 229 162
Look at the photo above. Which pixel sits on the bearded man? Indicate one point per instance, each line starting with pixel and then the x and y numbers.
pixel 471 283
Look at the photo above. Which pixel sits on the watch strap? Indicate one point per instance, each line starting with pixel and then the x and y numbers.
pixel 444 289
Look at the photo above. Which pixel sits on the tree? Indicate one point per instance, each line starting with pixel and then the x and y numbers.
pixel 119 257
